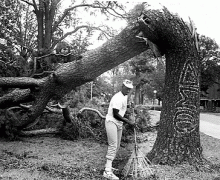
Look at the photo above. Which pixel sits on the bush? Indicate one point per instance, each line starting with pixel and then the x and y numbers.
pixel 143 117
pixel 87 124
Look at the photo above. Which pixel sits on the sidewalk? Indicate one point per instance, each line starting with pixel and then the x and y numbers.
pixel 209 122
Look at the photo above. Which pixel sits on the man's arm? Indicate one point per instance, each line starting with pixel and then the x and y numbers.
pixel 120 118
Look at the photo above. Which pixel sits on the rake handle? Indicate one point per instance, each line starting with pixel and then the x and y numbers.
pixel 135 132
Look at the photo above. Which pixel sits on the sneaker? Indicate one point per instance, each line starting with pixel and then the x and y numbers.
pixel 110 175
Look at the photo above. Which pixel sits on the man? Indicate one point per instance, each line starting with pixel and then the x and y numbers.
pixel 113 124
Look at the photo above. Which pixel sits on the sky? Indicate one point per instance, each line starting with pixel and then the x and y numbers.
pixel 204 13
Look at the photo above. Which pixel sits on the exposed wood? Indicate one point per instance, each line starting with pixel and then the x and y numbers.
pixel 92 109
pixel 39 132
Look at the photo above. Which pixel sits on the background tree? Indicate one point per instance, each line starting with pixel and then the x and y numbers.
pixel 117 74
pixel 158 79
pixel 14 53
pixel 141 67
pixel 210 58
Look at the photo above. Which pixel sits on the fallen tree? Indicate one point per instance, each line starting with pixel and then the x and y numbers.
pixel 70 75
pixel 178 137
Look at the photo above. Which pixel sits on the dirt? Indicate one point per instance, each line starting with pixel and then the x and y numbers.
pixel 50 157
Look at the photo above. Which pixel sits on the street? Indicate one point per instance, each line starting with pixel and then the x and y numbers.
pixel 210 124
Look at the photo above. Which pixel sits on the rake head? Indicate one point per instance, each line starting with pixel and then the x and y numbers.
pixel 138 166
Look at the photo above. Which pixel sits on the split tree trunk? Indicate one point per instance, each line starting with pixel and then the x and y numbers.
pixel 178 137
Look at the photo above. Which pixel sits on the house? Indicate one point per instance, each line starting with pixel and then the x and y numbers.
pixel 210 100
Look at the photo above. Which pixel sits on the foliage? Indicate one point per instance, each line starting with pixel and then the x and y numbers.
pixel 149 75
pixel 17 33
pixel 34 28
pixel 87 124
pixel 18 28
pixel 9 14
pixel 210 57
pixel 90 124
pixel 143 118
pixel 116 76
pixel 158 79
pixel 5 130
pixel 101 89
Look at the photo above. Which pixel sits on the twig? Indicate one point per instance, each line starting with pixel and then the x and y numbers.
pixel 27 2
pixel 43 73
pixel 91 109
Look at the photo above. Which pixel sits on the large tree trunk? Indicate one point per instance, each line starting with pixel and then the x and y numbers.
pixel 178 136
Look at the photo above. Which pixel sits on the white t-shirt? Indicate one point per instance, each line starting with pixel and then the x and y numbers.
pixel 118 101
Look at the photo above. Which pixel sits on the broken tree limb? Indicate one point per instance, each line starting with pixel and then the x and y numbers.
pixel 39 132
pixel 20 82
pixel 91 109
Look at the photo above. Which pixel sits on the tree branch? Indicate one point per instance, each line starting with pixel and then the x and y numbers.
pixel 70 9
pixel 21 82
pixel 27 2
pixel 69 33
pixel 53 110
pixel 35 5
pixel 15 98
pixel 75 30
pixel 108 7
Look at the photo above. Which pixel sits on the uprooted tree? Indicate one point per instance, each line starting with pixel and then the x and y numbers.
pixel 166 34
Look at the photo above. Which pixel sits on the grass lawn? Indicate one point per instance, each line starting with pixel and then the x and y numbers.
pixel 50 157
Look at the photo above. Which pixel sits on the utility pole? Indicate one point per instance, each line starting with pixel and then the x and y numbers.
pixel 155 93
pixel 91 88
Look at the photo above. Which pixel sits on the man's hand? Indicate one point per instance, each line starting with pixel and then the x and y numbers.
pixel 132 121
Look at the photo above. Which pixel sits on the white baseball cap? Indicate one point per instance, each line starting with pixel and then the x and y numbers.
pixel 128 83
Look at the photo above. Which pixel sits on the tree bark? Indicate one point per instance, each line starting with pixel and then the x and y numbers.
pixel 178 136
pixel 39 14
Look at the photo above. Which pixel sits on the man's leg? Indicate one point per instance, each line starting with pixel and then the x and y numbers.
pixel 112 134
pixel 119 131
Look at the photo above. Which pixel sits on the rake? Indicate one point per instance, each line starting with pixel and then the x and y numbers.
pixel 138 166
